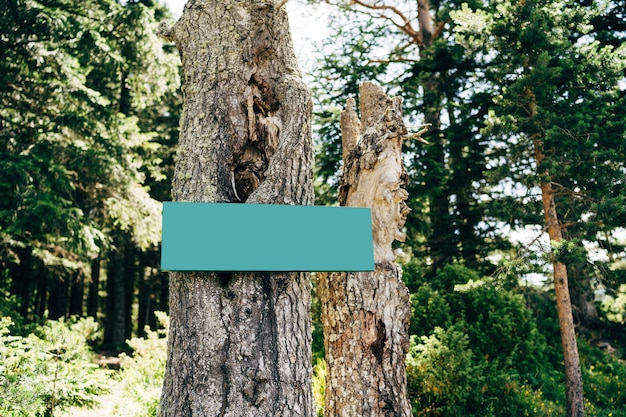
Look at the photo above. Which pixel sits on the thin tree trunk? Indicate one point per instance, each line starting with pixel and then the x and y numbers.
pixel 365 315
pixel 77 293
pixel 240 343
pixel 145 308
pixel 42 291
pixel 22 277
pixel 58 296
pixel 573 378
pixel 130 272
pixel 115 320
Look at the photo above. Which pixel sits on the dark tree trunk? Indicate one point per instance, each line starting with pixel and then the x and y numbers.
pixel 42 292
pixel 93 297
pixel 77 293
pixel 163 293
pixel 240 343
pixel 115 316
pixel 131 270
pixel 58 297
pixel 21 280
pixel 144 300
pixel 584 307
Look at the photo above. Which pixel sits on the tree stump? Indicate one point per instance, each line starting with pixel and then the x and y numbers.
pixel 366 315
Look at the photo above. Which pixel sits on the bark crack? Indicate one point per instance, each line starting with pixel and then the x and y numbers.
pixel 227 346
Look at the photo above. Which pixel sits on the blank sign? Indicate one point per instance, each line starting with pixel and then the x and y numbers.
pixel 254 237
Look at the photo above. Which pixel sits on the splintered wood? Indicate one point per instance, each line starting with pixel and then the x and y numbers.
pixel 366 315
pixel 373 173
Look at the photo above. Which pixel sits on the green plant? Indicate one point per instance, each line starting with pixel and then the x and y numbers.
pixel 142 373
pixel 441 373
pixel 319 386
pixel 46 371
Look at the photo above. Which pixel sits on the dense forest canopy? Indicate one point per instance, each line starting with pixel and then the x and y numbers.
pixel 88 118
pixel 89 106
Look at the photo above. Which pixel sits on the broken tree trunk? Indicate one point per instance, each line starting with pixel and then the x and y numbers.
pixel 240 343
pixel 366 315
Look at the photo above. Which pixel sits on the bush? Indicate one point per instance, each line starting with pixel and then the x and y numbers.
pixel 441 373
pixel 477 351
pixel 447 379
pixel 604 380
pixel 142 373
pixel 47 370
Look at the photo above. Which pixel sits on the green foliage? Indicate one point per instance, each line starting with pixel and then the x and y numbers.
pixel 342 68
pixel 555 81
pixel 441 373
pixel 48 370
pixel 84 95
pixel 476 350
pixel 9 305
pixel 446 378
pixel 484 350
pixel 604 378
pixel 429 309
pixel 319 386
pixel 569 252
pixel 142 373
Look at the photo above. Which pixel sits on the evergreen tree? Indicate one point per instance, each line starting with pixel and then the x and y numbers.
pixel 408 47
pixel 76 81
pixel 558 108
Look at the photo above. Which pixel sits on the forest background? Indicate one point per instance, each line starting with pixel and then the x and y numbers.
pixel 90 100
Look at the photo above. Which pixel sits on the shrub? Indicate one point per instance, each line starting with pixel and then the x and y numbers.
pixel 142 373
pixel 441 373
pixel 604 380
pixel 47 370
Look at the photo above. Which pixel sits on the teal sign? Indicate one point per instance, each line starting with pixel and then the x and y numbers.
pixel 253 237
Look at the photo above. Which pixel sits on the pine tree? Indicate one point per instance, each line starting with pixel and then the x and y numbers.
pixel 558 109
pixel 72 161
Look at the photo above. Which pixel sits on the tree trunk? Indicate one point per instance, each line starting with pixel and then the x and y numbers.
pixel 58 296
pixel 573 378
pixel 365 315
pixel 441 236
pixel 240 343
pixel 584 309
pixel 21 279
pixel 93 297
pixel 144 300
pixel 115 317
pixel 77 294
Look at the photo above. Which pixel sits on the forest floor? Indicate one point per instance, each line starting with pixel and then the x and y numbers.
pixel 107 403
pixel 106 407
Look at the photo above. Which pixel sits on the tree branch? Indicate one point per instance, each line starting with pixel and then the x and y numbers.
pixel 406 27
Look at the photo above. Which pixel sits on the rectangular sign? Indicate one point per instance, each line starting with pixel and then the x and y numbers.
pixel 255 237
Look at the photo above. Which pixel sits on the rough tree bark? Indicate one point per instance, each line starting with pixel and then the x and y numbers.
pixel 240 343
pixel 366 315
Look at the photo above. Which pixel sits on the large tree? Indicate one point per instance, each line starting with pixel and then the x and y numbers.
pixel 75 82
pixel 557 105
pixel 240 343
pixel 408 46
